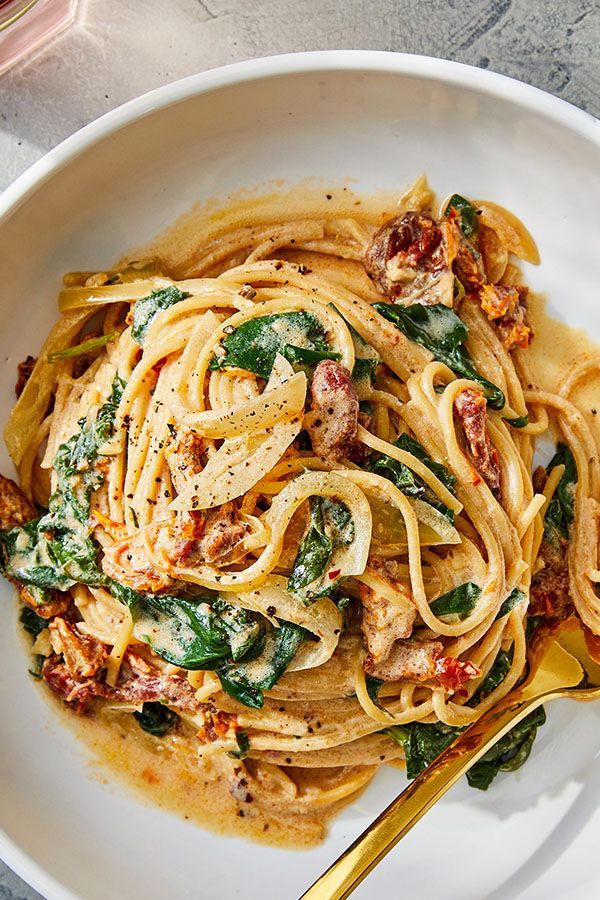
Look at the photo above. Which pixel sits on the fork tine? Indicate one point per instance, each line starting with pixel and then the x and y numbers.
pixel 571 636
pixel 554 666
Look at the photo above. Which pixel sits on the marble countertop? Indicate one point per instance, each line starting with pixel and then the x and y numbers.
pixel 118 50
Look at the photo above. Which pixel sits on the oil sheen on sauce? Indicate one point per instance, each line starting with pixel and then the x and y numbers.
pixel 168 772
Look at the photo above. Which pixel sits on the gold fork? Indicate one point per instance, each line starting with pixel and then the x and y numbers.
pixel 560 665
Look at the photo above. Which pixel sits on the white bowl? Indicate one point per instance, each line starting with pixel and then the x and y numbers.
pixel 380 119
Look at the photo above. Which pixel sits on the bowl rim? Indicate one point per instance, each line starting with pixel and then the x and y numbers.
pixel 431 68
pixel 369 61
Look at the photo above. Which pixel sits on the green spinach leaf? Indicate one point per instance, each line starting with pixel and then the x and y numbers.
pixel 198 632
pixel 460 601
pixel 242 627
pixel 406 480
pixel 74 458
pixel 88 346
pixel 338 521
pixel 509 754
pixel 249 696
pixel 560 513
pixel 439 330
pixel 248 653
pixel 314 552
pixel 298 336
pixel 156 719
pixel 330 526
pixel 247 679
pixel 468 214
pixel 303 357
pixel 423 743
pixel 410 445
pixel 494 677
pixel 519 422
pixel 373 686
pixel 36 670
pixel 364 370
pixel 243 742
pixel 532 624
pixel 193 633
pixel 146 308
pixel 515 597
pixel 31 622
pixel 366 358
pixel 57 550
pixel 25 558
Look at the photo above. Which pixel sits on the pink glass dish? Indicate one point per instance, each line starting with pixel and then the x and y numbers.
pixel 27 24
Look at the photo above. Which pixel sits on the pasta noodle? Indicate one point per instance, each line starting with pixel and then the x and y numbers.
pixel 293 519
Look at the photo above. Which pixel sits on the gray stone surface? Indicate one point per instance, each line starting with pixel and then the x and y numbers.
pixel 118 50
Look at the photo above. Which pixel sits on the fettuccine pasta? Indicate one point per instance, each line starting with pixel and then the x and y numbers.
pixel 278 503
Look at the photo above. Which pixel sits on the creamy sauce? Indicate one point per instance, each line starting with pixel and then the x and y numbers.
pixel 168 772
pixel 556 348
pixel 251 209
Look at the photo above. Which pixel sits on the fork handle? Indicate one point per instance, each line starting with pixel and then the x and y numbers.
pixel 347 872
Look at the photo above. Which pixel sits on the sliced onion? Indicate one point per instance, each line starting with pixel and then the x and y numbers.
pixel 284 402
pixel 237 466
pixel 510 230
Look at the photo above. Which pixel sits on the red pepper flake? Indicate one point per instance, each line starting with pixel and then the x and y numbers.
pixel 452 672
pixel 475 477
pixel 334 574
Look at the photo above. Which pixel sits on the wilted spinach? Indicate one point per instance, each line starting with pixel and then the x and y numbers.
pixel 254 345
pixel 36 669
pixel 515 597
pixel 519 421
pixel 373 686
pixel 409 482
pixel 202 632
pixel 494 677
pixel 365 369
pixel 509 754
pixel 156 719
pixel 460 601
pixel 439 330
pixel 193 633
pixel 410 445
pixel 560 513
pixel 248 653
pixel 314 552
pixel 21 559
pixel 246 680
pixel 330 526
pixel 423 743
pixel 532 624
pixel 146 308
pixel 56 551
pixel 366 358
pixel 467 214
pixel 243 742
pixel 31 622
